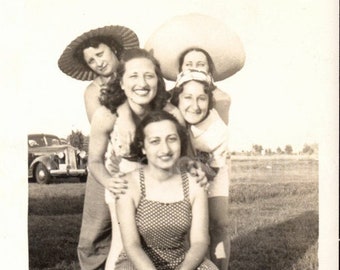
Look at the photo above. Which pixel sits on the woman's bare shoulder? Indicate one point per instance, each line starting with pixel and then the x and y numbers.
pixel 93 89
pixel 103 117
pixel 133 182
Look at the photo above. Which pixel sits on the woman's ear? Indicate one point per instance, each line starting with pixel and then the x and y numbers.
pixel 143 151
pixel 121 85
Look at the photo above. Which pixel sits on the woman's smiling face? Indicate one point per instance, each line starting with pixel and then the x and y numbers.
pixel 162 144
pixel 193 102
pixel 139 81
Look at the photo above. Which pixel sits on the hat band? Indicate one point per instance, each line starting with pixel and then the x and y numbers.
pixel 193 75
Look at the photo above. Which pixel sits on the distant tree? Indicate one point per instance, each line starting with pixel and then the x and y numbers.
pixel 310 149
pixel 288 149
pixel 307 149
pixel 279 150
pixel 268 152
pixel 257 149
pixel 76 139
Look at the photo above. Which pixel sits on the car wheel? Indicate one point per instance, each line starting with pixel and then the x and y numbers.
pixel 42 175
pixel 83 178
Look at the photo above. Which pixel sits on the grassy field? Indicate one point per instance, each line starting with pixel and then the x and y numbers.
pixel 273 217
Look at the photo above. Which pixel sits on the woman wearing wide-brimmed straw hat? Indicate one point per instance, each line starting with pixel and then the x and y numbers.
pixel 203 43
pixel 94 56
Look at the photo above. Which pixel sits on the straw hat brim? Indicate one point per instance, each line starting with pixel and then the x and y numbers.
pixel 196 30
pixel 70 65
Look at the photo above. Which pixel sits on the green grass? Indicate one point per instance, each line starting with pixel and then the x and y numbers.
pixel 273 217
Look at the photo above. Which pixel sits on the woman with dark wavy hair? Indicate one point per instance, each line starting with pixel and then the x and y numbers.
pixel 163 204
pixel 94 56
pixel 113 95
pixel 139 88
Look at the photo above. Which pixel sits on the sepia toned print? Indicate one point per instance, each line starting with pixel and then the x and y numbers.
pixel 283 144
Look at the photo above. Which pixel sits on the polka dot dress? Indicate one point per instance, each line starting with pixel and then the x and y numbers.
pixel 163 227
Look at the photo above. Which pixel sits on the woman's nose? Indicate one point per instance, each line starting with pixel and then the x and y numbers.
pixel 164 148
pixel 141 82
pixel 194 105
pixel 99 62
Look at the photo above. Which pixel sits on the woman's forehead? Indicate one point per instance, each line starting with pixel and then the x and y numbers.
pixel 160 128
pixel 139 63
pixel 195 55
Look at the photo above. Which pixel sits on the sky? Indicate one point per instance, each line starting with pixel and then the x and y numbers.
pixel 275 97
pixel 286 93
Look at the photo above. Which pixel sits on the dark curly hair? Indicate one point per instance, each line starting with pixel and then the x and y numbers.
pixel 112 95
pixel 208 88
pixel 196 49
pixel 94 42
pixel 153 117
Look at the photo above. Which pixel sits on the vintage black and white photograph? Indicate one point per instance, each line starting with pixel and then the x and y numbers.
pixel 172 135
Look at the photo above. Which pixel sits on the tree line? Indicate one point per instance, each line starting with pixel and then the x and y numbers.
pixel 79 140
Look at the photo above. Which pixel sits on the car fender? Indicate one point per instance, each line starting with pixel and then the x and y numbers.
pixel 48 161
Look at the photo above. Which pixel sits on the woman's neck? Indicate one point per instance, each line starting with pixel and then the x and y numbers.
pixel 105 79
pixel 139 110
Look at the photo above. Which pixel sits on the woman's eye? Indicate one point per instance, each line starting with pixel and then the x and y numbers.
pixel 172 139
pixel 154 141
pixel 150 76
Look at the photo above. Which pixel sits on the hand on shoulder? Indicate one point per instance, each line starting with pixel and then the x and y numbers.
pixel 195 187
pixel 175 112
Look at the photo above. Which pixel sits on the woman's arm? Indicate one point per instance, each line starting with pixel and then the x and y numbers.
pixel 101 127
pixel 91 98
pixel 126 127
pixel 126 209
pixel 199 232
pixel 175 112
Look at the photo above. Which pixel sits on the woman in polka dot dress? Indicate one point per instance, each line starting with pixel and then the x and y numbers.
pixel 163 204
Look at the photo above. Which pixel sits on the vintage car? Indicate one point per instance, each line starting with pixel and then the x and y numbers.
pixel 48 157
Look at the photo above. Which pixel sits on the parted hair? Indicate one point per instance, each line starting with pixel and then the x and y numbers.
pixel 196 49
pixel 153 117
pixel 94 42
pixel 208 88
pixel 113 95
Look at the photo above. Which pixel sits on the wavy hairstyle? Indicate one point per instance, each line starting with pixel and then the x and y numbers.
pixel 94 43
pixel 196 49
pixel 113 95
pixel 208 88
pixel 153 117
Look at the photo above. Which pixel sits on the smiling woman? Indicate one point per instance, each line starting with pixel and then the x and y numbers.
pixel 139 88
pixel 193 94
pixel 163 205
pixel 139 82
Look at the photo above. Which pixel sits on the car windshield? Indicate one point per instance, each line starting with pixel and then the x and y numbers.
pixel 42 140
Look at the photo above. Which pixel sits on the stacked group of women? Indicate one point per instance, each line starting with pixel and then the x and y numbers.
pixel 151 149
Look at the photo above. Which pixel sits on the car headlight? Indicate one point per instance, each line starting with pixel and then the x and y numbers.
pixel 82 154
pixel 61 155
